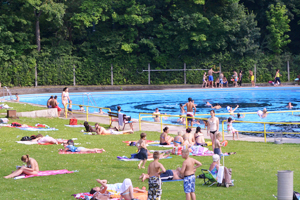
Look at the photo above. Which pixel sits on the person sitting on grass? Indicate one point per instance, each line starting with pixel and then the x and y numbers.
pixel 199 138
pixel 69 146
pixel 102 131
pixel 178 140
pixel 164 138
pixel 31 168
pixel 214 168
pixel 88 127
pixel 168 175
pixel 190 136
pixel 125 189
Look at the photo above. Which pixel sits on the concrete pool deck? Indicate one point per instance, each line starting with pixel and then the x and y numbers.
pixel 174 129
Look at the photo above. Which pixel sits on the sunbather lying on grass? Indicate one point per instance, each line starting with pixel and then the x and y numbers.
pixel 41 139
pixel 69 146
pixel 102 131
pixel 31 167
pixel 125 189
pixel 168 175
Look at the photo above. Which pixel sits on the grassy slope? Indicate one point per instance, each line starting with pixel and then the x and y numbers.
pixel 20 107
pixel 254 166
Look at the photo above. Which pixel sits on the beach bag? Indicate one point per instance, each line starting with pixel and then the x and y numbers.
pixel 25 138
pixel 73 121
pixel 16 124
pixel 33 137
pixel 177 150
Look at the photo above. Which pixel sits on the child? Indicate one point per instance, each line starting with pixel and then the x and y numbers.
pixel 178 140
pixel 188 171
pixel 154 170
pixel 199 138
pixel 186 142
pixel 143 152
pixel 217 149
pixel 230 129
pixel 70 111
pixel 204 80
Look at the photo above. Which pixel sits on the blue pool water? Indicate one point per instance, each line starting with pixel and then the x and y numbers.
pixel 249 100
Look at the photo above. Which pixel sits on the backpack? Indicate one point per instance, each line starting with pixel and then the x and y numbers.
pixel 26 138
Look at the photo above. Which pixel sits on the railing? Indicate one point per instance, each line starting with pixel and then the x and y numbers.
pixel 264 132
pixel 151 115
pixel 161 121
pixel 86 112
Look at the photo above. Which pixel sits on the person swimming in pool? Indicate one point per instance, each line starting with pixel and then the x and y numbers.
pixel 262 114
pixel 217 107
pixel 240 116
pixel 156 115
pixel 208 104
pixel 289 106
pixel 229 108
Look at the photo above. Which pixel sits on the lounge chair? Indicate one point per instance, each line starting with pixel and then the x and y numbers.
pixel 210 179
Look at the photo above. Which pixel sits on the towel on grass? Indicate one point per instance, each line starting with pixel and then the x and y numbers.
pixel 46 173
pixel 124 158
pixel 171 180
pixel 74 126
pixel 36 129
pixel 69 152
pixel 136 195
pixel 158 145
pixel 147 141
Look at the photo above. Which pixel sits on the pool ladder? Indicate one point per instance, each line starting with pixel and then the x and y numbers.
pixel 6 92
pixel 90 99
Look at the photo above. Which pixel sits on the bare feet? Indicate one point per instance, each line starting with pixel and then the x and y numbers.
pixel 141 176
pixel 139 165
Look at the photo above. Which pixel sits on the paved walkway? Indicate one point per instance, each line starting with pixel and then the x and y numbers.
pixel 174 129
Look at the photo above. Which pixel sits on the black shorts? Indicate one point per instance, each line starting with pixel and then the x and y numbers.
pixel 143 154
pixel 163 143
pixel 213 132
pixel 168 175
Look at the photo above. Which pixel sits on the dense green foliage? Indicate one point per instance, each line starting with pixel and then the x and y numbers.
pixel 254 167
pixel 55 36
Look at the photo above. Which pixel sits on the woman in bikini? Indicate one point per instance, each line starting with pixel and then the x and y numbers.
pixel 199 138
pixel 178 140
pixel 164 138
pixel 65 97
pixel 31 167
pixel 102 131
pixel 213 127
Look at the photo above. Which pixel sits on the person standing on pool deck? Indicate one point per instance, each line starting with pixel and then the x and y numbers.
pixel 204 80
pixel 65 98
pixel 156 115
pixel 210 77
pixel 225 82
pixel 277 77
pixel 252 78
pixel 213 127
pixel 240 77
pixel 221 76
pixel 191 110
pixel 235 77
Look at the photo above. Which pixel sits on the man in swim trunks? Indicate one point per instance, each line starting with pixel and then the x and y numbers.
pixel 191 110
pixel 210 77
pixel 217 106
pixel 54 104
pixel 252 78
pixel 168 175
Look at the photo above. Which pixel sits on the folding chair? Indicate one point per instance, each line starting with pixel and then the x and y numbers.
pixel 210 179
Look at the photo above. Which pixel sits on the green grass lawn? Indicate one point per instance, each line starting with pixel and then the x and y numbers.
pixel 254 166
pixel 20 107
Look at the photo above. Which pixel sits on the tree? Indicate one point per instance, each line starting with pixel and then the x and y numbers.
pixel 278 26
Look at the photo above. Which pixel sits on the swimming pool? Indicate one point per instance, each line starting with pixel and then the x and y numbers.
pixel 249 100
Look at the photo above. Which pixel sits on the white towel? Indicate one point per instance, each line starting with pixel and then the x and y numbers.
pixel 120 115
pixel 220 174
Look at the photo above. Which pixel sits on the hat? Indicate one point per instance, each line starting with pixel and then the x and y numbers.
pixel 216 157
